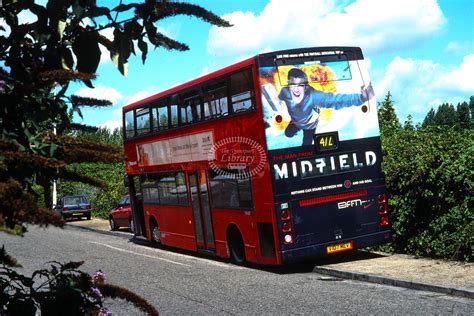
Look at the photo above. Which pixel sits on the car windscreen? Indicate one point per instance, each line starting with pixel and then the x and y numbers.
pixel 73 200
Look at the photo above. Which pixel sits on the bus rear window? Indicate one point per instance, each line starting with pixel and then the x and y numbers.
pixel 319 71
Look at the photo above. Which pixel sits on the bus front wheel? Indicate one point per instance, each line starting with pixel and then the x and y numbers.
pixel 236 245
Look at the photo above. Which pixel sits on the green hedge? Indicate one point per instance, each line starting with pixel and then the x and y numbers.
pixel 429 174
pixel 102 200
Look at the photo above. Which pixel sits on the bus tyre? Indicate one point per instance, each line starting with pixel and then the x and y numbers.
pixel 236 246
pixel 155 232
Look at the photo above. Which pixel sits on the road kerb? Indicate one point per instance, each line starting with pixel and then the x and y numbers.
pixel 466 293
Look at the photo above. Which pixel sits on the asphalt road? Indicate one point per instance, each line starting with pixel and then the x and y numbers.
pixel 178 283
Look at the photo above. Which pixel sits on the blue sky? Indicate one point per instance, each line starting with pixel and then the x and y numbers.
pixel 420 50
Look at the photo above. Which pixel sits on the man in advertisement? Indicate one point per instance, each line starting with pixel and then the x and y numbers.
pixel 304 103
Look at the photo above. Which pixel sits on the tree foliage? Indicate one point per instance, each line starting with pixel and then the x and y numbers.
pixel 389 122
pixel 38 62
pixel 113 174
pixel 447 115
pixel 429 175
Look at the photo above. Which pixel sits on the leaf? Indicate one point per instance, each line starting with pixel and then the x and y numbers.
pixel 61 27
pixel 133 29
pixel 87 51
pixel 67 61
pixel 158 39
pixel 88 83
pixel 121 51
pixel 42 15
pixel 124 7
pixel 99 11
pixel 143 46
pixel 168 9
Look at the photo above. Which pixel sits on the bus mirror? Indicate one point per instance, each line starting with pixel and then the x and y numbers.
pixel 126 181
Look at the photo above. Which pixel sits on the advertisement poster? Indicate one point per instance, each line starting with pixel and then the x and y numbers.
pixel 188 148
pixel 312 97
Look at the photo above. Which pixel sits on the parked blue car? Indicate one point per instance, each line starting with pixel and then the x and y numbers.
pixel 73 206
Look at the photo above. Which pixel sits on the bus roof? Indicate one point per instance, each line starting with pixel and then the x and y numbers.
pixel 356 54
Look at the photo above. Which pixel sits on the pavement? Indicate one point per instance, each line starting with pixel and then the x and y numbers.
pixel 425 274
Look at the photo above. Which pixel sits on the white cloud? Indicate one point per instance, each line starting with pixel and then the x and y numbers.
pixel 418 85
pixel 140 95
pixel 114 120
pixel 104 52
pixel 100 92
pixel 111 124
pixel 204 71
pixel 373 24
pixel 460 78
pixel 459 47
pixel 113 116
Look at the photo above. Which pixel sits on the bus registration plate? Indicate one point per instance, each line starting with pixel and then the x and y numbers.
pixel 339 247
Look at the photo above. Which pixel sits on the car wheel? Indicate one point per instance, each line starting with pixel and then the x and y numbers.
pixel 113 226
pixel 89 216
pixel 131 226
pixel 155 233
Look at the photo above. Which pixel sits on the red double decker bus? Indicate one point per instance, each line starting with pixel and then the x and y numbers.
pixel 272 160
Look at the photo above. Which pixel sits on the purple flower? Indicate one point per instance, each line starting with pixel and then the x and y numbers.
pixel 95 292
pixel 99 277
pixel 104 312
pixel 2 85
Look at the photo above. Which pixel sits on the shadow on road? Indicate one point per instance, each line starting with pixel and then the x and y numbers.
pixel 308 267
pixel 304 267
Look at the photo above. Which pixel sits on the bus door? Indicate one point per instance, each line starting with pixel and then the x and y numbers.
pixel 201 210
pixel 136 201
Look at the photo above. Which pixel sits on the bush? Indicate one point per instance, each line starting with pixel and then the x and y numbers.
pixel 429 174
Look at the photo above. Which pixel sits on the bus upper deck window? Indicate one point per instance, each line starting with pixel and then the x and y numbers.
pixel 241 88
pixel 160 118
pixel 215 100
pixel 174 113
pixel 129 124
pixel 143 121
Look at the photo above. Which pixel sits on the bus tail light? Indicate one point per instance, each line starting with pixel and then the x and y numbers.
pixel 286 227
pixel 65 209
pixel 286 224
pixel 383 209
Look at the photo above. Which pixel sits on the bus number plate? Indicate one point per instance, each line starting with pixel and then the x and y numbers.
pixel 339 247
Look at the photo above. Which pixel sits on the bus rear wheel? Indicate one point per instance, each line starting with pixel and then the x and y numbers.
pixel 155 232
pixel 236 246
